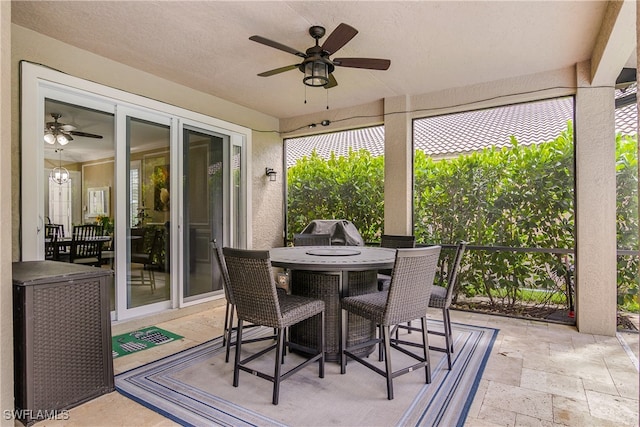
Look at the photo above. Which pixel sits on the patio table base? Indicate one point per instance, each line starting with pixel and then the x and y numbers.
pixel 330 287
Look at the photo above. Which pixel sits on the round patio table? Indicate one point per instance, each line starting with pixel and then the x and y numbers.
pixel 330 273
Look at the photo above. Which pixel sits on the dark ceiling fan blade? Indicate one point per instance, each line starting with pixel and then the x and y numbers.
pixel 277 45
pixel 369 63
pixel 85 134
pixel 332 82
pixel 278 70
pixel 338 38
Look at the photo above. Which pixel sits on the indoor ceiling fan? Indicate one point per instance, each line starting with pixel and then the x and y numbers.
pixel 316 64
pixel 62 133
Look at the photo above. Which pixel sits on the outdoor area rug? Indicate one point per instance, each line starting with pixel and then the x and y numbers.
pixel 141 339
pixel 194 387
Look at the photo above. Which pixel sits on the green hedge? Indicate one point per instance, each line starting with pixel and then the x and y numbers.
pixel 350 187
pixel 521 196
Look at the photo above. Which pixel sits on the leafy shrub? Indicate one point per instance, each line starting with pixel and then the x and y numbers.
pixel 350 187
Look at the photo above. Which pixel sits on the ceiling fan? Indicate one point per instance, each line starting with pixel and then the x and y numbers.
pixel 316 64
pixel 62 133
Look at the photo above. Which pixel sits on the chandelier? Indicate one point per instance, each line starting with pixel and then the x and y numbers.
pixel 59 174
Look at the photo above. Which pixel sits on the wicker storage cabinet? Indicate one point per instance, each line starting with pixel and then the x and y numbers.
pixel 62 337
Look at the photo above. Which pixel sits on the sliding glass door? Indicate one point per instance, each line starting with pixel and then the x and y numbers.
pixel 148 210
pixel 203 207
pixel 162 182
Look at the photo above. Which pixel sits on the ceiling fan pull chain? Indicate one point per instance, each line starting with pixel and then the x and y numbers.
pixel 305 94
pixel 327 98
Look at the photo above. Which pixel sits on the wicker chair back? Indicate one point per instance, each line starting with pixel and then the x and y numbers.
pixel 253 286
pixel 411 283
pixel 312 240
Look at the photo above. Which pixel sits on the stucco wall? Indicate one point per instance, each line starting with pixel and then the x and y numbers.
pixel 30 46
pixel 268 196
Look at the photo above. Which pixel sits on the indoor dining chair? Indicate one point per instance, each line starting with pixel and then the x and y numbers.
pixel 55 249
pixel 51 249
pixel 86 245
pixel 407 299
pixel 148 253
pixel 257 301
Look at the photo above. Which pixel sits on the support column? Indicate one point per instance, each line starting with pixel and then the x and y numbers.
pixel 398 168
pixel 596 269
pixel 6 171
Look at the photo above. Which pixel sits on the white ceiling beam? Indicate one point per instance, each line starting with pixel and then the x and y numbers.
pixel 615 43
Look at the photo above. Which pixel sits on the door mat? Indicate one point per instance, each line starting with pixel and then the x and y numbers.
pixel 141 339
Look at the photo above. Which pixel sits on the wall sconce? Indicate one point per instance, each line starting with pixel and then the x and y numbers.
pixel 271 174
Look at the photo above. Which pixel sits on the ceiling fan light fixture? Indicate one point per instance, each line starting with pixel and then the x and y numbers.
pixel 49 137
pixel 316 73
pixel 61 139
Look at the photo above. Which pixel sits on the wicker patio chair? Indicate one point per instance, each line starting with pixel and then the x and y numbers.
pixel 312 240
pixel 393 242
pixel 441 298
pixel 231 305
pixel 407 299
pixel 257 301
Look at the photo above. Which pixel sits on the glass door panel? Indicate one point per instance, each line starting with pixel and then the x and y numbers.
pixel 79 150
pixel 203 207
pixel 148 212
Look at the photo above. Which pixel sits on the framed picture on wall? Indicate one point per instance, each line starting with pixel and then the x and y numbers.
pixel 98 201
pixel 160 179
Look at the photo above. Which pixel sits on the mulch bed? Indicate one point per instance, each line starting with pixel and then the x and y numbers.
pixel 625 323
pixel 543 313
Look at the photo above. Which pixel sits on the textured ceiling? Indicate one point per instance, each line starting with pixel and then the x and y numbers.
pixel 432 45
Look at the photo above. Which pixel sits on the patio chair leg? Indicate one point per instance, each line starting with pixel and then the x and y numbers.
pixel 278 365
pixel 448 317
pixel 236 365
pixel 380 344
pixel 229 333
pixel 284 340
pixel 225 336
pixel 321 346
pixel 387 350
pixel 343 341
pixel 425 350
pixel 447 336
